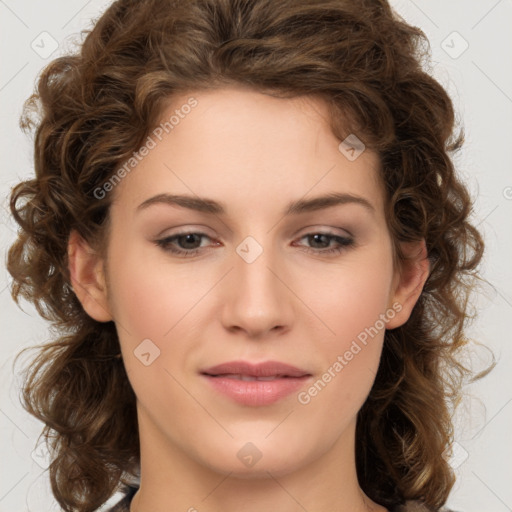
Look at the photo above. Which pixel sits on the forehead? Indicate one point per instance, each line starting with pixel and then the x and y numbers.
pixel 248 149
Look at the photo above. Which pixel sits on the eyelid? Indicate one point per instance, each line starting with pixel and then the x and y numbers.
pixel 185 230
pixel 326 230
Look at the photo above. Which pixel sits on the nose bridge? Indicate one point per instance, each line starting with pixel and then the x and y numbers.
pixel 257 300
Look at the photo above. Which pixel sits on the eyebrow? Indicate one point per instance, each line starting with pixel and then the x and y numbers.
pixel 210 206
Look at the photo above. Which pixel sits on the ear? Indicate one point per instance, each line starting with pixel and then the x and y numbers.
pixel 408 281
pixel 86 270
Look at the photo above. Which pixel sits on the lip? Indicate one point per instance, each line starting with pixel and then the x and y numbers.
pixel 226 378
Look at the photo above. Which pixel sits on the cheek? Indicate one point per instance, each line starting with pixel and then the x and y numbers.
pixel 348 300
pixel 354 307
pixel 350 360
pixel 149 300
pixel 157 311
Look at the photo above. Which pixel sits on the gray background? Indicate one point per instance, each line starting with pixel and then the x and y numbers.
pixel 472 48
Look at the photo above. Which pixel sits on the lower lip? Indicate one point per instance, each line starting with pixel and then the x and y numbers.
pixel 257 392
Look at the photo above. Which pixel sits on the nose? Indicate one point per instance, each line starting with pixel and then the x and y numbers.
pixel 257 300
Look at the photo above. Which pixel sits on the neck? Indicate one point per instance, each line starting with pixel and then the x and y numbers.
pixel 172 479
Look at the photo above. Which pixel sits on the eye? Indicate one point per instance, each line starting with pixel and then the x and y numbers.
pixel 321 242
pixel 189 244
pixel 183 244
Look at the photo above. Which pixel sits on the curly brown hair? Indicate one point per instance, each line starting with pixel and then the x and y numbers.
pixel 95 108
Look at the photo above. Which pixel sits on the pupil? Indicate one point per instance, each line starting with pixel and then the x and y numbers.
pixel 186 239
pixel 318 238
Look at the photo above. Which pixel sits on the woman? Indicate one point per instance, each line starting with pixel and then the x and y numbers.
pixel 247 226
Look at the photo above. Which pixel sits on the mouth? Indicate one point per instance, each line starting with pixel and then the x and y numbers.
pixel 256 384
pixel 249 378
pixel 244 370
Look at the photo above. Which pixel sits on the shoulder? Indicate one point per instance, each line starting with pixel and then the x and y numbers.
pixel 124 504
pixel 410 506
pixel 417 506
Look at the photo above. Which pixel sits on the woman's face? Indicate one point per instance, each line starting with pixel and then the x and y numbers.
pixel 269 271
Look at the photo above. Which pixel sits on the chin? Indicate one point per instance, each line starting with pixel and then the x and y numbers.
pixel 247 462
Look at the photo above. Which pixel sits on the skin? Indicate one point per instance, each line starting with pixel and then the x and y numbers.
pixel 294 303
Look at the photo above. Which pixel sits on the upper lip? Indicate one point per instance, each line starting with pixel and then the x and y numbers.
pixel 265 369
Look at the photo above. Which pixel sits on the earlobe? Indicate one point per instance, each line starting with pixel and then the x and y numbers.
pixel 409 281
pixel 86 270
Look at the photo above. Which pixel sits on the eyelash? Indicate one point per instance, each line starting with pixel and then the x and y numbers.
pixel 344 243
